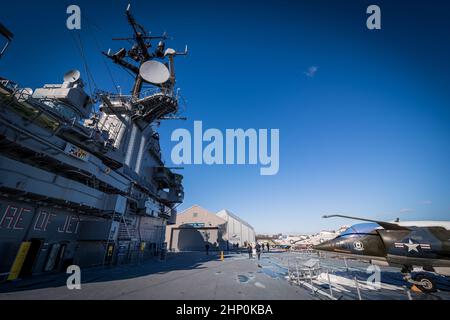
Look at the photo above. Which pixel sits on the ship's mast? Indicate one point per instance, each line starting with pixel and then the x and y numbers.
pixel 139 52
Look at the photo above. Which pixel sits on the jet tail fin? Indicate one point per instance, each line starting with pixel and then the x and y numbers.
pixel 384 224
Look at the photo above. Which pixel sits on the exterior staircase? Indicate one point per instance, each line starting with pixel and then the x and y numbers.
pixel 127 231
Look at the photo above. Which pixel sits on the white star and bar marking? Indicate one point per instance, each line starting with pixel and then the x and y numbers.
pixel 413 246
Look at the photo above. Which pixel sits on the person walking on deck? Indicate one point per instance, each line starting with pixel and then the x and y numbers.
pixel 258 250
pixel 250 251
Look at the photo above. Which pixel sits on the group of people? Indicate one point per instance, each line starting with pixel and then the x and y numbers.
pixel 258 248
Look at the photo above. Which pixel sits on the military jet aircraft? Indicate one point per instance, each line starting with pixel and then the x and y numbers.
pixel 410 245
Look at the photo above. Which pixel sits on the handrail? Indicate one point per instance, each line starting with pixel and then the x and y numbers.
pixel 144 94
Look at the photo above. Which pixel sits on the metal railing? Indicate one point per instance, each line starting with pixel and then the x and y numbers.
pixel 324 282
pixel 144 94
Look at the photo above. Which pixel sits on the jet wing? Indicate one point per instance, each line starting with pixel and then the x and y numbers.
pixel 384 224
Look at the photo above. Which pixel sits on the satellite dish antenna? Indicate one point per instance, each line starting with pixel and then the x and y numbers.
pixel 154 72
pixel 72 76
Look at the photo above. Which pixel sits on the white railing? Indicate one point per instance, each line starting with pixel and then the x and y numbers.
pixel 327 282
pixel 144 94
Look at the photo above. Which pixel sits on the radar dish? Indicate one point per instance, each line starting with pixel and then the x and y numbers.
pixel 72 76
pixel 154 72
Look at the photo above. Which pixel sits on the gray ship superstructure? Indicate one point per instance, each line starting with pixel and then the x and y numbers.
pixel 82 187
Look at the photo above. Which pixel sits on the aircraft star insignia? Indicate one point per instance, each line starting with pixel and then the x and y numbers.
pixel 411 246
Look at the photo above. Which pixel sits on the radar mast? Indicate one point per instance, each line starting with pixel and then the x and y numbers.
pixel 140 54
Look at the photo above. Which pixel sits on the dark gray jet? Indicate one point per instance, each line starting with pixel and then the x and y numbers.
pixel 407 244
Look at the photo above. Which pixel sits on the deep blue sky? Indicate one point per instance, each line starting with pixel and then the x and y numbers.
pixel 368 135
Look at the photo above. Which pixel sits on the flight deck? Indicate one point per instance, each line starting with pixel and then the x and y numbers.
pixel 197 276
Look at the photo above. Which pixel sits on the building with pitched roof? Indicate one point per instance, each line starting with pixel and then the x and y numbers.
pixel 196 227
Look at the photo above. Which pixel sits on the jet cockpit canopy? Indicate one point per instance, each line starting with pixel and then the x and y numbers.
pixel 361 228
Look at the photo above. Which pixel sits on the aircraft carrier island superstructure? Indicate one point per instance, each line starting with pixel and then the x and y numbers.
pixel 81 185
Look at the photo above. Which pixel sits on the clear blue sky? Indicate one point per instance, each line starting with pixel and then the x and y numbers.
pixel 368 135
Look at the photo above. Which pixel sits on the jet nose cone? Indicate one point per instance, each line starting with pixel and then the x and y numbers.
pixel 324 246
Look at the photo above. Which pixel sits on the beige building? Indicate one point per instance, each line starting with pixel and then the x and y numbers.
pixel 195 227
pixel 238 230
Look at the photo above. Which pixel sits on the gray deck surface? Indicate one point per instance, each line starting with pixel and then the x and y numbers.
pixel 195 276
pixel 182 276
